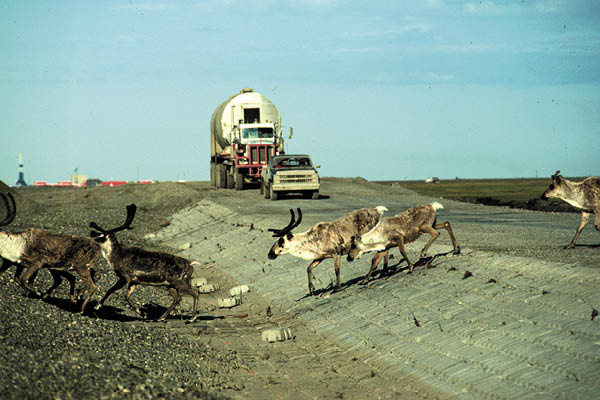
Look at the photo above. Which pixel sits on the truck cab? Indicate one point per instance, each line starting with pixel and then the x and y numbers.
pixel 290 173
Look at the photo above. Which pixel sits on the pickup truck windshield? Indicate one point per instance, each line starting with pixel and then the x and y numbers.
pixel 257 133
pixel 291 162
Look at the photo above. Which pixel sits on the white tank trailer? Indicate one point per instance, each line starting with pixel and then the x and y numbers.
pixel 245 132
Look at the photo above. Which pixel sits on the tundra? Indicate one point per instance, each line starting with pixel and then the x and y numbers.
pixel 584 195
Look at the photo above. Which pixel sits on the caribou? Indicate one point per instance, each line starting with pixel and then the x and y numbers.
pixel 399 230
pixel 324 240
pixel 135 266
pixel 36 248
pixel 583 195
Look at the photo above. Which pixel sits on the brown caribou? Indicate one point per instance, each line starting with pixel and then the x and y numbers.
pixel 399 230
pixel 135 266
pixel 35 248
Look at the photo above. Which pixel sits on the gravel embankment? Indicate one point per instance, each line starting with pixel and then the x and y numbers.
pixel 51 351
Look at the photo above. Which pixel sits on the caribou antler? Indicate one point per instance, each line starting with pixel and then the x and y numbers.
pixel 11 208
pixel 293 223
pixel 130 215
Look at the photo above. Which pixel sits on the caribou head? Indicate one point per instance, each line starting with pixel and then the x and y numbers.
pixel 555 189
pixel 101 235
pixel 281 246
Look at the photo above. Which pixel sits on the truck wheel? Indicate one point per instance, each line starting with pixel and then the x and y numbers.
pixel 229 179
pixel 274 194
pixel 212 174
pixel 315 195
pixel 221 177
pixel 266 191
pixel 239 180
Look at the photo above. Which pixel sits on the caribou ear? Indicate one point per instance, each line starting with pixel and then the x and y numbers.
pixel 289 236
pixel 556 178
pixel 95 234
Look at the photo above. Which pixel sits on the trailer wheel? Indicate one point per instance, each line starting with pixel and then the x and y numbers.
pixel 274 194
pixel 221 177
pixel 239 180
pixel 266 191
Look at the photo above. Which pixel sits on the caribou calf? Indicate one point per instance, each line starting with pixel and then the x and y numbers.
pixel 135 266
pixel 36 248
pixel 324 240
pixel 398 230
pixel 584 195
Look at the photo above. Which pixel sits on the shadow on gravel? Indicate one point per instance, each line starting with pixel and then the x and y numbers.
pixel 377 275
pixel 589 246
pixel 105 312
pixel 151 311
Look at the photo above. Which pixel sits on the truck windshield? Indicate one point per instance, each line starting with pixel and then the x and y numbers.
pixel 257 133
pixel 291 162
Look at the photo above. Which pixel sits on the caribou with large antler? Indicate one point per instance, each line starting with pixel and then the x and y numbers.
pixel 135 266
pixel 36 248
pixel 584 195
pixel 324 240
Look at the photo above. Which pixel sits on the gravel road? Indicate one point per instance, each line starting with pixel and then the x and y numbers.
pixel 509 317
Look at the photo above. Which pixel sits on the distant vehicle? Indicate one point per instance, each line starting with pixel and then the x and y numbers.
pixel 432 179
pixel 245 133
pixel 290 173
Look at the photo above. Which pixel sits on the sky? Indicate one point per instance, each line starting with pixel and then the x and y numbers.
pixel 384 90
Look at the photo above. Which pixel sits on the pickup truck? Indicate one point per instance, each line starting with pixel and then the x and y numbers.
pixel 290 173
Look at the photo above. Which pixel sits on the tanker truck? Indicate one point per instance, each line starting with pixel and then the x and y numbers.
pixel 245 134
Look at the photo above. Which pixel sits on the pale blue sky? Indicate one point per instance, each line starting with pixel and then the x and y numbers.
pixel 378 89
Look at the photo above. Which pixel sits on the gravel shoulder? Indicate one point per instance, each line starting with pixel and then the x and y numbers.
pixel 519 325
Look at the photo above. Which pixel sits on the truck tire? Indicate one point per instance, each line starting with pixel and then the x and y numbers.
pixel 274 195
pixel 229 180
pixel 266 191
pixel 239 180
pixel 315 195
pixel 213 179
pixel 221 177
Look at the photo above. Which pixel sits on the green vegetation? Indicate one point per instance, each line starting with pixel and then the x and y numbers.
pixel 519 193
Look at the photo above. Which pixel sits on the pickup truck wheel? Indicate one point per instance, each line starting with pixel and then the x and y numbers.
pixel 274 194
pixel 266 191
pixel 315 195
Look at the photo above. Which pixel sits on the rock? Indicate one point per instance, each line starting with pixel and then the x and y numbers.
pixel 199 281
pixel 238 290
pixel 277 335
pixel 209 288
pixel 230 302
